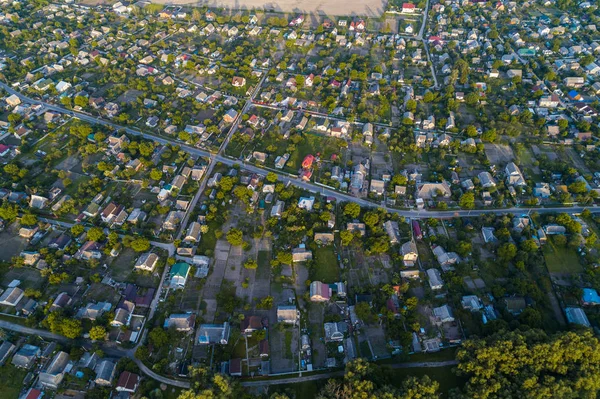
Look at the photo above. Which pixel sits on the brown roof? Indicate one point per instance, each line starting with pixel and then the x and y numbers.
pixel 128 380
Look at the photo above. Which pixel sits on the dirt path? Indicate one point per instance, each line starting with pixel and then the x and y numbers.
pixel 558 313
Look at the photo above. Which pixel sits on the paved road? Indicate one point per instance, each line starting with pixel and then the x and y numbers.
pixel 340 373
pixel 309 186
pixel 31 331
pixel 215 158
pixel 119 353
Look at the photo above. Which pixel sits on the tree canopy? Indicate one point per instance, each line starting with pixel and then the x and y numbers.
pixel 531 364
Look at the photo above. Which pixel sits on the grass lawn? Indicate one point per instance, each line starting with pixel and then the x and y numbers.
pixel 365 351
pixel 288 345
pixel 313 144
pixel 443 375
pixel 443 355
pixel 424 251
pixel 209 240
pixel 11 381
pixel 264 264
pixel 326 265
pixel 561 260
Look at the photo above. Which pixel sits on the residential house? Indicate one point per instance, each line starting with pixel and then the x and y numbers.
pixel 26 356
pixel 357 227
pixel 105 373
pixel 393 231
pixel 577 316
pixel 514 177
pixel 146 262
pixel 472 303
pixel 409 253
pixel 306 203
pixel 435 279
pixel 53 375
pixel 11 296
pixel 93 311
pixel 334 331
pixel 486 180
pixel 288 314
pixel 427 191
pixel 6 349
pixel 193 232
pixel 181 322
pixel 178 275
pixel 443 314
pixel 319 292
pixel 301 254
pixel 212 334
pixel 253 323
pixel 128 382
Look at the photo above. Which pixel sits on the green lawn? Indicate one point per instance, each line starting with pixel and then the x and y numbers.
pixel 313 144
pixel 443 375
pixel 264 264
pixel 11 381
pixel 288 345
pixel 208 241
pixel 561 259
pixel 326 267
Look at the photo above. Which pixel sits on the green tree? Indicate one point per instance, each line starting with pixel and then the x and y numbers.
pixel 77 230
pixel 531 364
pixel 140 244
pixel 28 219
pixel 352 209
pixel 507 252
pixel 97 333
pixel 158 337
pixel 235 237
pixel 271 177
pixel 95 234
pixel 156 174
pixel 467 200
pixel 250 264
pixel 9 212
pixel 346 237
pixel 71 328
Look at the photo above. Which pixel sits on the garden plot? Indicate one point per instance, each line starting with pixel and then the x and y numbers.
pixel 284 349
pixel 376 337
pixel 499 154
pixel 30 278
pixel 214 280
pixel 10 243
pixel 190 299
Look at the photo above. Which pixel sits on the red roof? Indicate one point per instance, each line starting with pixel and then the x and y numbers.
pixel 408 5
pixel 128 380
pixel 33 394
pixel 3 148
pixel 308 161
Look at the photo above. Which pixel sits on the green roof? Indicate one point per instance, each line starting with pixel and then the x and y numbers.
pixel 180 269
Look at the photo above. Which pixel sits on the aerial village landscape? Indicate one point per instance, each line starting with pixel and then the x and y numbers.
pixel 264 201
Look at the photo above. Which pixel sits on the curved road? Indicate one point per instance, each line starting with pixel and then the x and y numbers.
pixel 119 353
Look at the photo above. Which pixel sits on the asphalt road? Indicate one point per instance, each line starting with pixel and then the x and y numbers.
pixel 340 373
pixel 297 181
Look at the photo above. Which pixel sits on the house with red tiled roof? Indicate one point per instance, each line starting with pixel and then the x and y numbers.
pixel 128 382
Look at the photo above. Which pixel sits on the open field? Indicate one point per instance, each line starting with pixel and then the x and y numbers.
pixel 11 381
pixel 327 268
pixel 561 260
pixel 370 8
